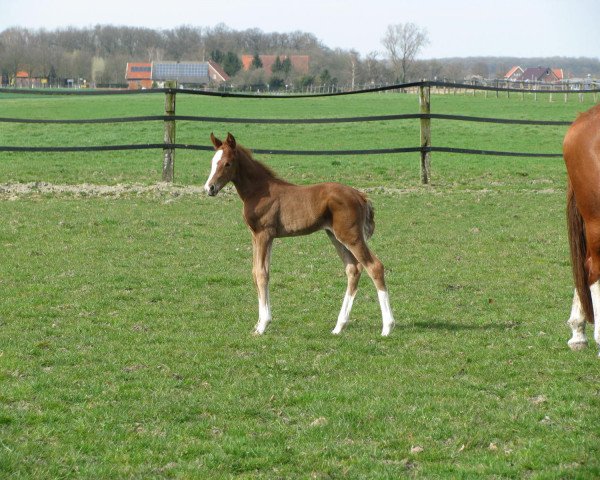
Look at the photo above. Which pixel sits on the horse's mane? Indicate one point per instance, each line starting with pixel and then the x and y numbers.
pixel 254 167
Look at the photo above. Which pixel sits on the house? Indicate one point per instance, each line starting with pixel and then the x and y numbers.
pixel 299 62
pixel 560 74
pixel 145 75
pixel 515 74
pixel 540 74
pixel 23 80
pixel 216 72
pixel 138 75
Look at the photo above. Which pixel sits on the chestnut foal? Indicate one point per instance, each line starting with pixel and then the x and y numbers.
pixel 275 208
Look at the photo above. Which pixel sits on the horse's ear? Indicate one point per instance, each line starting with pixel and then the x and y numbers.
pixel 215 141
pixel 230 141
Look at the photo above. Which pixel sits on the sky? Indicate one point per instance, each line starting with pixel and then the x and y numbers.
pixel 456 28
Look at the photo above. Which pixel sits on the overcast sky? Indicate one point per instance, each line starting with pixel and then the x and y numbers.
pixel 456 28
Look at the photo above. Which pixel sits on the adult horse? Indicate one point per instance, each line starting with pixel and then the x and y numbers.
pixel 581 150
pixel 276 208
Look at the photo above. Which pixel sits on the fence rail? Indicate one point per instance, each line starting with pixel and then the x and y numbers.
pixel 169 145
pixel 287 121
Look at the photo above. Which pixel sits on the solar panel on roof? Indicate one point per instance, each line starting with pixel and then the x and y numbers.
pixel 190 72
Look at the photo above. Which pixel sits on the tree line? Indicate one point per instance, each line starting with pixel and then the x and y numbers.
pixel 99 54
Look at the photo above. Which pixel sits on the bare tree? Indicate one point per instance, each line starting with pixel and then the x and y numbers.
pixel 403 42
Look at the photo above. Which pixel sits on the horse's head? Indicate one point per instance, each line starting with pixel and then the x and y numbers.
pixel 224 164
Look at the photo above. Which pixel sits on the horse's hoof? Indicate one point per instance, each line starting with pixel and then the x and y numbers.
pixel 387 330
pixel 579 345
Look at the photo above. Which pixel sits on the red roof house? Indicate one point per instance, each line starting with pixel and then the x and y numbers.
pixel 299 62
pixel 138 75
pixel 540 74
pixel 514 74
pixel 144 75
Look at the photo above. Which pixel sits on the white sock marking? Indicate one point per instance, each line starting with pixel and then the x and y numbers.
pixel 577 323
pixel 386 312
pixel 264 314
pixel 344 315
pixel 595 291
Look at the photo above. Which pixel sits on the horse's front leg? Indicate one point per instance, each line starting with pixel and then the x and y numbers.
pixel 261 243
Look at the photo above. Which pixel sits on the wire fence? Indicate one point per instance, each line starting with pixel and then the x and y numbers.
pixel 169 145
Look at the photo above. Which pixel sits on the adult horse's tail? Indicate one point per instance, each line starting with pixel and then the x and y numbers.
pixel 578 246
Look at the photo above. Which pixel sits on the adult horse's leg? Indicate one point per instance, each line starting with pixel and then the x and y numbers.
pixel 577 323
pixel 592 233
pixel 353 271
pixel 261 252
pixel 595 291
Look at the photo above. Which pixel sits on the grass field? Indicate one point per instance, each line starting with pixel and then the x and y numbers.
pixel 125 320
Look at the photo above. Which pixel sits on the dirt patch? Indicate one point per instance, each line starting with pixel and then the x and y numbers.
pixel 13 191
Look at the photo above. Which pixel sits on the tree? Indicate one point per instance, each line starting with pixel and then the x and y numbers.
pixel 325 78
pixel 286 66
pixel 403 42
pixel 217 56
pixel 276 83
pixel 256 62
pixel 231 64
pixel 277 65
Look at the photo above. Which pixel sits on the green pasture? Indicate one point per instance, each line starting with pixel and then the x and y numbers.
pixel 125 321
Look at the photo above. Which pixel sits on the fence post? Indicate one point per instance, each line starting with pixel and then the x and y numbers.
pixel 169 137
pixel 425 109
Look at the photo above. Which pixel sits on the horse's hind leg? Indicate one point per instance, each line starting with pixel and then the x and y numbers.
pixel 577 323
pixel 595 291
pixel 593 264
pixel 353 271
pixel 374 268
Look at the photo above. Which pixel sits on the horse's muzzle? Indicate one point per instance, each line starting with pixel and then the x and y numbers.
pixel 212 190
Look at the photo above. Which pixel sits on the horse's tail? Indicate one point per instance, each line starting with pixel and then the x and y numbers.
pixel 369 225
pixel 578 246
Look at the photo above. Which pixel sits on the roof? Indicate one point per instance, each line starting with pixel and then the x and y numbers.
pixel 538 73
pixel 512 71
pixel 138 71
pixel 299 62
pixel 559 72
pixel 183 72
pixel 22 74
pixel 219 70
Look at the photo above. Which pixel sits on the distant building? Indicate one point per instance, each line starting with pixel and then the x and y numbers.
pixel 560 74
pixel 299 62
pixel 23 80
pixel 540 74
pixel 515 74
pixel 145 75
pixel 139 75
pixel 537 74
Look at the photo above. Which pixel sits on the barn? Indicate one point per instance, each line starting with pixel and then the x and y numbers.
pixel 189 74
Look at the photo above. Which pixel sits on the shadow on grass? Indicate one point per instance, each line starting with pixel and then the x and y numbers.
pixel 456 327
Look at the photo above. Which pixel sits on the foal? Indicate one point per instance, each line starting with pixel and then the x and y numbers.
pixel 275 208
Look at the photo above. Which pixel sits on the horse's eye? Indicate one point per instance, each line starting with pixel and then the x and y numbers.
pixel 228 164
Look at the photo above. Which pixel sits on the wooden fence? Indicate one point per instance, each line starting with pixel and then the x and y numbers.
pixel 169 144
